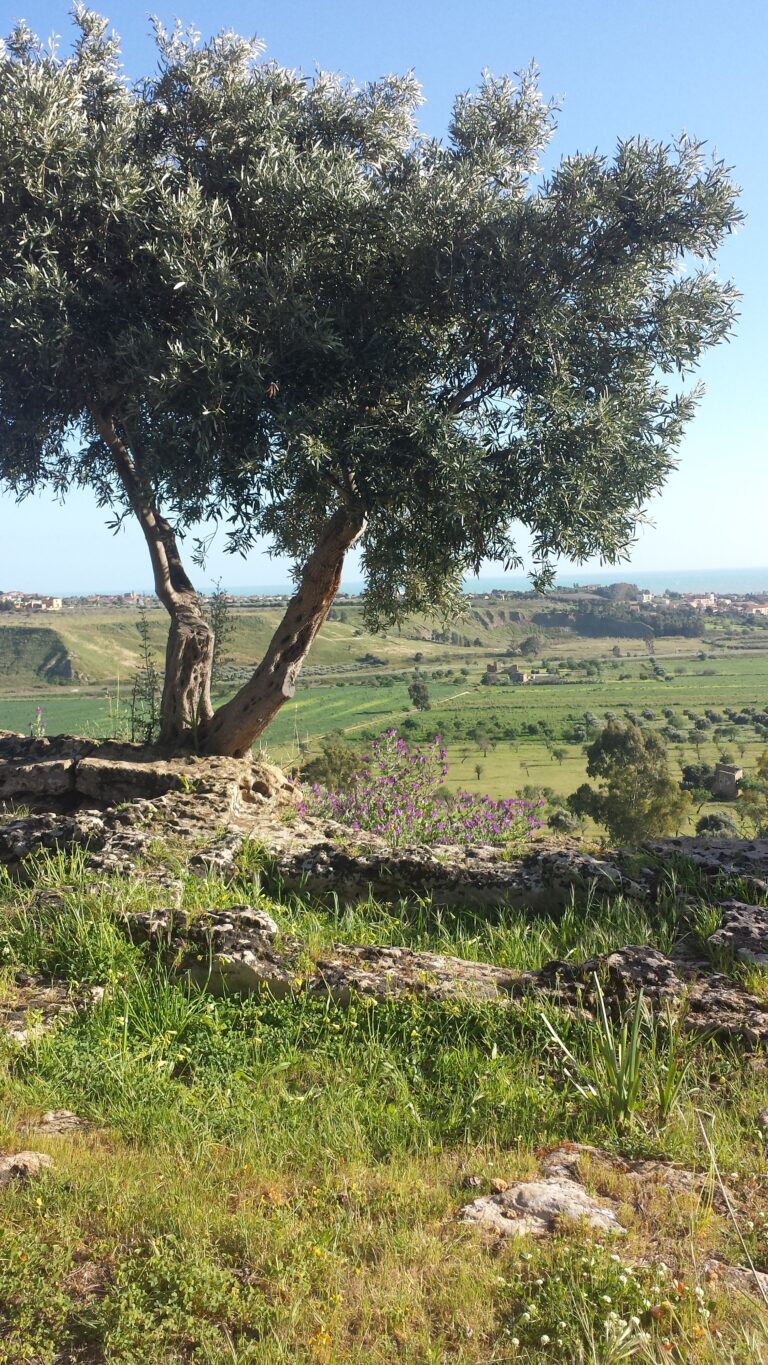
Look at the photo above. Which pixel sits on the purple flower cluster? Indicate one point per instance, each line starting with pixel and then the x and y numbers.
pixel 396 794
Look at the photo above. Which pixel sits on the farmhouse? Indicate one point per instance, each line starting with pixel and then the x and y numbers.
pixel 726 781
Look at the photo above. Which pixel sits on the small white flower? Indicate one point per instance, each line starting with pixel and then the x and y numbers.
pixel 544 1340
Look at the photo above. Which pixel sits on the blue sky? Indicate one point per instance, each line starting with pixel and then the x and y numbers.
pixel 653 67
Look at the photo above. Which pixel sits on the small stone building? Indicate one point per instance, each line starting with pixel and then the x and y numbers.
pixel 725 783
pixel 517 675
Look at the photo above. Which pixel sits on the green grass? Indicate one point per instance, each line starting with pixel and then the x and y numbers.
pixel 278 1181
pixel 355 703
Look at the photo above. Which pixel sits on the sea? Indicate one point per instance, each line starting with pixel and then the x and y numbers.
pixel 739 582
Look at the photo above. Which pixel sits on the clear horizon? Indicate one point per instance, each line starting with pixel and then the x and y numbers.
pixel 650 70
pixel 739 580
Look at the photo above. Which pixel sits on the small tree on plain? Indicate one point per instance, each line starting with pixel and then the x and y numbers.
pixel 334 767
pixel 419 695
pixel 232 293
pixel 637 797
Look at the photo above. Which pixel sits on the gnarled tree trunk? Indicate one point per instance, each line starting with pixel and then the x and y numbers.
pixel 240 721
pixel 186 708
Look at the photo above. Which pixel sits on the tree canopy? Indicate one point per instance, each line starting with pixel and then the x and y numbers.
pixel 637 797
pixel 230 293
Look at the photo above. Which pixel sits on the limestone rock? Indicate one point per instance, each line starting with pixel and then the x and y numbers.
pixel 241 950
pixel 387 973
pixel 60 1121
pixel 737 1278
pixel 558 1195
pixel 724 1010
pixel 229 950
pixel 566 1162
pixel 744 932
pixel 23 1166
pixel 47 777
pixel 33 1007
pixel 743 858
pixel 537 1207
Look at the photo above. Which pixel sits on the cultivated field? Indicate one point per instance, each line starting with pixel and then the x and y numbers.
pixel 356 685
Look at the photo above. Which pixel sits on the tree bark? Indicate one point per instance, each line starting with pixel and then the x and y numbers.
pixel 185 709
pixel 241 720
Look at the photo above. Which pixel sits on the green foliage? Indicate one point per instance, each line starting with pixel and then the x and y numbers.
pixel 285 302
pixel 637 798
pixel 719 822
pixel 620 1054
pixel 334 767
pixel 565 822
pixel 272 1180
pixel 219 617
pixel 145 688
pixel 419 695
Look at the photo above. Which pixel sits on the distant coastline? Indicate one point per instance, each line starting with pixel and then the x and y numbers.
pixel 739 582
pixel 736 581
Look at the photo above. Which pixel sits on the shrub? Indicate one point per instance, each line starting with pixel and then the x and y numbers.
pixel 398 794
pixel 564 822
pixel 719 822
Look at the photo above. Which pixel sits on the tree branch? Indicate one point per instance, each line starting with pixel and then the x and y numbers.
pixel 172 583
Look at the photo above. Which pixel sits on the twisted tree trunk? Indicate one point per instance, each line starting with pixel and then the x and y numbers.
pixel 240 721
pixel 185 709
pixel 187 716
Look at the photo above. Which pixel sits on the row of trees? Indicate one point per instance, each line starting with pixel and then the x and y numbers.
pixel 236 296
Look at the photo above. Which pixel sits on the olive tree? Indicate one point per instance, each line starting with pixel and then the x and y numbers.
pixel 233 295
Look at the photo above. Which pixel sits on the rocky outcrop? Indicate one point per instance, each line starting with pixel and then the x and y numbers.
pixel 33 1006
pixel 60 1123
pixel 537 1207
pixel 115 800
pixel 560 1196
pixel 743 933
pixel 241 950
pixel 23 1166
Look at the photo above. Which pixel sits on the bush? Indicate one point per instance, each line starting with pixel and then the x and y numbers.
pixel 564 822
pixel 335 765
pixel 719 822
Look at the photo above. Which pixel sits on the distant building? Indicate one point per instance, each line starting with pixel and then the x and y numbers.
pixel 725 783
pixel 517 675
pixel 20 601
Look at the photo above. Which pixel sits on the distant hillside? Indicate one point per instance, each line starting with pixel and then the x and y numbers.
pixel 33 654
pixel 100 647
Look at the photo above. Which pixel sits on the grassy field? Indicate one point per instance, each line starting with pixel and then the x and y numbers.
pixel 276 1182
pixel 356 684
pixel 357 706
